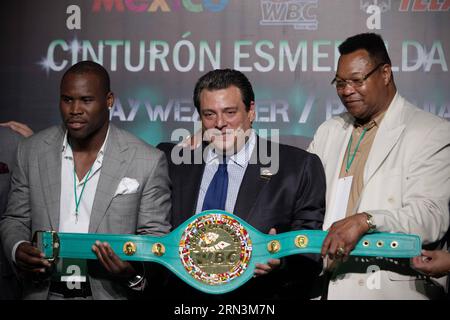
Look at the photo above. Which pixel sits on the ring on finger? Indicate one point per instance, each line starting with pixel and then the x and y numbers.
pixel 340 252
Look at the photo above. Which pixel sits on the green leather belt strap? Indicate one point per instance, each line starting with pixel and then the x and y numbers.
pixel 215 251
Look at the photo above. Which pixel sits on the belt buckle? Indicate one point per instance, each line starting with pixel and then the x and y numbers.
pixel 38 239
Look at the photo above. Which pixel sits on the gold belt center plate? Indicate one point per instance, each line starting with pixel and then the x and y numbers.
pixel 215 249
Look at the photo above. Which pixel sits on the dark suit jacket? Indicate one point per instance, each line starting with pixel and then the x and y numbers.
pixel 292 198
pixel 9 286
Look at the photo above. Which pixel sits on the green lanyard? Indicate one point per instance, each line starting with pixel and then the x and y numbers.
pixel 352 157
pixel 78 200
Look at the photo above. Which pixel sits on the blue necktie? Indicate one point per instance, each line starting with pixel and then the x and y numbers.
pixel 216 195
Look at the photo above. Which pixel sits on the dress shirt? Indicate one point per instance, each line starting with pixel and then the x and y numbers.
pixel 359 162
pixel 68 221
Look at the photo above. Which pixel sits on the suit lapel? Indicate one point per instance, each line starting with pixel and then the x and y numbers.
pixel 251 185
pixel 335 154
pixel 190 180
pixel 387 137
pixel 50 168
pixel 114 165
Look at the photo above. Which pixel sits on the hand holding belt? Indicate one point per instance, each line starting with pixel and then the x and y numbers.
pixel 215 251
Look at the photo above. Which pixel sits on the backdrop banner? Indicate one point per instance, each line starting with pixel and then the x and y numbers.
pixel 155 50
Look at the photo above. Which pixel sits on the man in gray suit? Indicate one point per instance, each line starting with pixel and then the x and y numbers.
pixel 86 176
pixel 9 288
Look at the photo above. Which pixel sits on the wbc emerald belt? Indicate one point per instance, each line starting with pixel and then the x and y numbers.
pixel 216 252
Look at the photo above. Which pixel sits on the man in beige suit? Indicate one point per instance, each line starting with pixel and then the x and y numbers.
pixel 387 168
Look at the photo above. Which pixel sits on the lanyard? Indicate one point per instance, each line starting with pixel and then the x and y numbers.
pixel 352 157
pixel 78 200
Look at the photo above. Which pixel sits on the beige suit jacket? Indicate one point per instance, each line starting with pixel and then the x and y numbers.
pixel 406 189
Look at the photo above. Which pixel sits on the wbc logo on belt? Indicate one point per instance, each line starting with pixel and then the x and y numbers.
pixel 215 249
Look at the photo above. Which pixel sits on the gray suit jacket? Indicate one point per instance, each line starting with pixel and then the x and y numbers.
pixel 34 202
pixel 9 288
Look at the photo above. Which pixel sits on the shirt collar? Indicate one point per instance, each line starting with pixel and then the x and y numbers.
pixel 372 123
pixel 240 158
pixel 67 150
pixel 377 121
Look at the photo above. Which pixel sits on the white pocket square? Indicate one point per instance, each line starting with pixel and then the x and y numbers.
pixel 127 186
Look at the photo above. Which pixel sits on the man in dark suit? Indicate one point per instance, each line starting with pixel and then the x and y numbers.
pixel 9 287
pixel 275 188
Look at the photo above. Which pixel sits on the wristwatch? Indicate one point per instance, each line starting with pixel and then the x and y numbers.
pixel 135 281
pixel 370 223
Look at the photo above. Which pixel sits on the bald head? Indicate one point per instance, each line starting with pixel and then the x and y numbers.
pixel 85 67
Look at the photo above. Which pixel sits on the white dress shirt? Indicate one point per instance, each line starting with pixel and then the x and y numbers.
pixel 68 222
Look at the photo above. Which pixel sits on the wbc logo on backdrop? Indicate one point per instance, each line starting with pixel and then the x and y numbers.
pixel 384 5
pixel 297 13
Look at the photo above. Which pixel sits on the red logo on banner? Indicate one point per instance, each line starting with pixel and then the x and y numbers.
pixel 424 5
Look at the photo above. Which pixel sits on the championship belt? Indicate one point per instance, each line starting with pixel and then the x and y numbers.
pixel 216 252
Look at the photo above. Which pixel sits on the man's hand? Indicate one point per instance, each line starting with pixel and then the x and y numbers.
pixel 265 268
pixel 18 127
pixel 434 263
pixel 30 259
pixel 111 262
pixel 343 236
